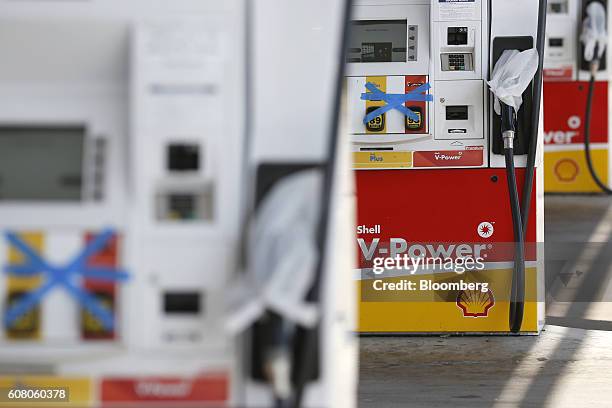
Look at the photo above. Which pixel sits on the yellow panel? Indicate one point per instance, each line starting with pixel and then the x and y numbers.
pixel 377 125
pixel 79 389
pixel 373 160
pixel 428 312
pixel 567 171
pixel 25 284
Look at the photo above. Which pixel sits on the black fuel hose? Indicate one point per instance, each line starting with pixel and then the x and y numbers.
pixel 517 291
pixel 535 118
pixel 517 294
pixel 587 138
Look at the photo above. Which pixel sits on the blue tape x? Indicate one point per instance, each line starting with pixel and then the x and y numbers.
pixel 395 101
pixel 63 276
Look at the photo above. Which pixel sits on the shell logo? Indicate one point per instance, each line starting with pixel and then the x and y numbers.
pixel 475 303
pixel 566 170
pixel 574 122
pixel 485 229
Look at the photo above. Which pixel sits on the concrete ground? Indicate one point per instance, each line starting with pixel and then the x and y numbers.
pixel 568 365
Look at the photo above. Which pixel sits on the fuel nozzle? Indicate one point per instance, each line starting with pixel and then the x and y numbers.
pixel 594 35
pixel 508 125
pixel 511 76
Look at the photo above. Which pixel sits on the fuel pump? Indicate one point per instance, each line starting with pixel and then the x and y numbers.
pixel 430 151
pixel 143 173
pixel 577 154
pixel 594 39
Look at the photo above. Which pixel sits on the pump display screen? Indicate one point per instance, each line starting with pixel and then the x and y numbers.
pixel 41 163
pixel 382 41
pixel 457 36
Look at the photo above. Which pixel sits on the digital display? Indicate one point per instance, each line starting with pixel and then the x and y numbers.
pixel 41 163
pixel 381 41
pixel 457 36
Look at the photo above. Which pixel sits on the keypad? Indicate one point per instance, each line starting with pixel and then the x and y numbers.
pixel 456 62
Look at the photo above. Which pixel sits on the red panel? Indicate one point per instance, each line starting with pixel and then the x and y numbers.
pixel 105 291
pixel 433 206
pixel 559 74
pixel 209 388
pixel 564 110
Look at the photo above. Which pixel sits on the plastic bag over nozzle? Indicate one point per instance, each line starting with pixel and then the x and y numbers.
pixel 594 35
pixel 512 74
pixel 283 255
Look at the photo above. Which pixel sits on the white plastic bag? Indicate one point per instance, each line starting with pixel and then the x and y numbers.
pixel 512 74
pixel 282 253
pixel 594 31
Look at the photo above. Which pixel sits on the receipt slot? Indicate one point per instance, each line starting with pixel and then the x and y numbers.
pixel 431 187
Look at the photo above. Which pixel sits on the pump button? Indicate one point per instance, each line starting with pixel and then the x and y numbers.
pixel 457 62
pixel 378 123
pixel 415 124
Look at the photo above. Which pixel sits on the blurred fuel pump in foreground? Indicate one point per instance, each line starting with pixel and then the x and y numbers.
pixel 576 88
pixel 143 146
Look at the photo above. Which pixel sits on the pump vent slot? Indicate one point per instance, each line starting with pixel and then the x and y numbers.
pixel 182 303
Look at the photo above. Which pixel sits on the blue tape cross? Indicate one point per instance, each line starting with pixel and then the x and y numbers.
pixel 63 276
pixel 395 101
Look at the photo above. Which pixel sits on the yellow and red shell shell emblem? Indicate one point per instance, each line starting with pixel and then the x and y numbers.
pixel 475 303
pixel 566 170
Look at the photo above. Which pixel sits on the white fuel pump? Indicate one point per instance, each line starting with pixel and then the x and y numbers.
pixel 430 158
pixel 141 145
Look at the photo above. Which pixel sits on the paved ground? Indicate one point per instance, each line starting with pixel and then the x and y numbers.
pixel 569 365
